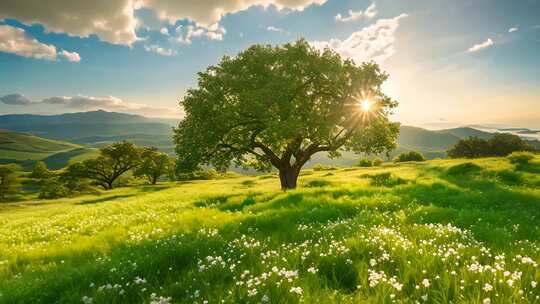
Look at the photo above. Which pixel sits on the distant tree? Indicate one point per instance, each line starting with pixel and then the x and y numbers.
pixel 52 188
pixel 9 182
pixel 278 106
pixel 409 156
pixel 40 170
pixel 113 161
pixel 74 178
pixel 471 147
pixel 153 164
pixel 501 144
pixel 377 161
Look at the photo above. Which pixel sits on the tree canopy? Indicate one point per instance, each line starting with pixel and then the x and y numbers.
pixel 278 106
pixel 9 183
pixel 112 162
pixel 154 164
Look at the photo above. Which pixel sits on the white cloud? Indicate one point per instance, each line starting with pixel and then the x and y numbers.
pixel 188 32
pixel 114 21
pixel 481 46
pixel 70 56
pixel 14 40
pixel 370 12
pixel 375 42
pixel 513 29
pixel 16 100
pixel 109 103
pixel 276 29
pixel 159 50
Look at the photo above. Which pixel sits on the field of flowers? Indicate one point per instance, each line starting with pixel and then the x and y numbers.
pixel 444 231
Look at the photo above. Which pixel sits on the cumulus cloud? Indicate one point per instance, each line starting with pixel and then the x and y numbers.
pixel 70 56
pixel 109 103
pixel 370 12
pixel 481 46
pixel 375 42
pixel 15 99
pixel 185 34
pixel 114 21
pixel 159 50
pixel 513 29
pixel 14 40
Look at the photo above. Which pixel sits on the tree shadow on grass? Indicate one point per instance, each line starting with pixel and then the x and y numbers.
pixel 104 199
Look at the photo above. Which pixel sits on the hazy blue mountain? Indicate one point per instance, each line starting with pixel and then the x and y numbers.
pixel 94 128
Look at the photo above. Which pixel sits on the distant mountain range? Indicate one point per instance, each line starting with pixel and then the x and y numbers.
pixel 80 133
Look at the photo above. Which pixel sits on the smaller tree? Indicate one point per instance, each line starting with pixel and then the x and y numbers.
pixel 74 178
pixel 154 164
pixel 40 170
pixel 113 162
pixel 9 183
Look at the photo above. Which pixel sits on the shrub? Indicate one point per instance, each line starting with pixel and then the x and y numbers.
pixel 318 183
pixel 463 169
pixel 520 159
pixel 377 161
pixel 365 162
pixel 409 156
pixel 198 175
pixel 321 167
pixel 385 179
pixel 9 182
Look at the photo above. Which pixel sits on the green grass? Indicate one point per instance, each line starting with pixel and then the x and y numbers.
pixel 439 235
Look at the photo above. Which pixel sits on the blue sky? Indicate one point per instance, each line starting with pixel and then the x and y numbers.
pixel 461 61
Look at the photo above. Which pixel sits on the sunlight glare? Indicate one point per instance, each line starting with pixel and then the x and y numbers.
pixel 365 105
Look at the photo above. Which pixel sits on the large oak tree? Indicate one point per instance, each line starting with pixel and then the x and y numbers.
pixel 278 106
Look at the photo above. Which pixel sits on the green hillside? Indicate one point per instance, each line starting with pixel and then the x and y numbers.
pixel 24 149
pixel 449 231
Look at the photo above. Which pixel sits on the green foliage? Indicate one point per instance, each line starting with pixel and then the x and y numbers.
pixel 510 177
pixel 501 144
pixel 40 170
pixel 9 181
pixel 520 159
pixel 385 179
pixel 377 162
pixel 52 188
pixel 321 167
pixel 365 162
pixel 154 164
pixel 463 169
pixel 113 161
pixel 198 175
pixel 278 106
pixel 316 183
pixel 409 156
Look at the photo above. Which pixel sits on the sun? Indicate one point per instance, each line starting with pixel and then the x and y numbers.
pixel 366 105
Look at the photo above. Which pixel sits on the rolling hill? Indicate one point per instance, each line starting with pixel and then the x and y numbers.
pixel 25 149
pixel 94 128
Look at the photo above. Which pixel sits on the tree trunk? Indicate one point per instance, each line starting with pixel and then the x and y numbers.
pixel 288 178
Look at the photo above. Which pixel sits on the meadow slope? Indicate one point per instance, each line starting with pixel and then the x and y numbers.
pixel 443 231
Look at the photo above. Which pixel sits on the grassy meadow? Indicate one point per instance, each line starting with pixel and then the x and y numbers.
pixel 442 231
